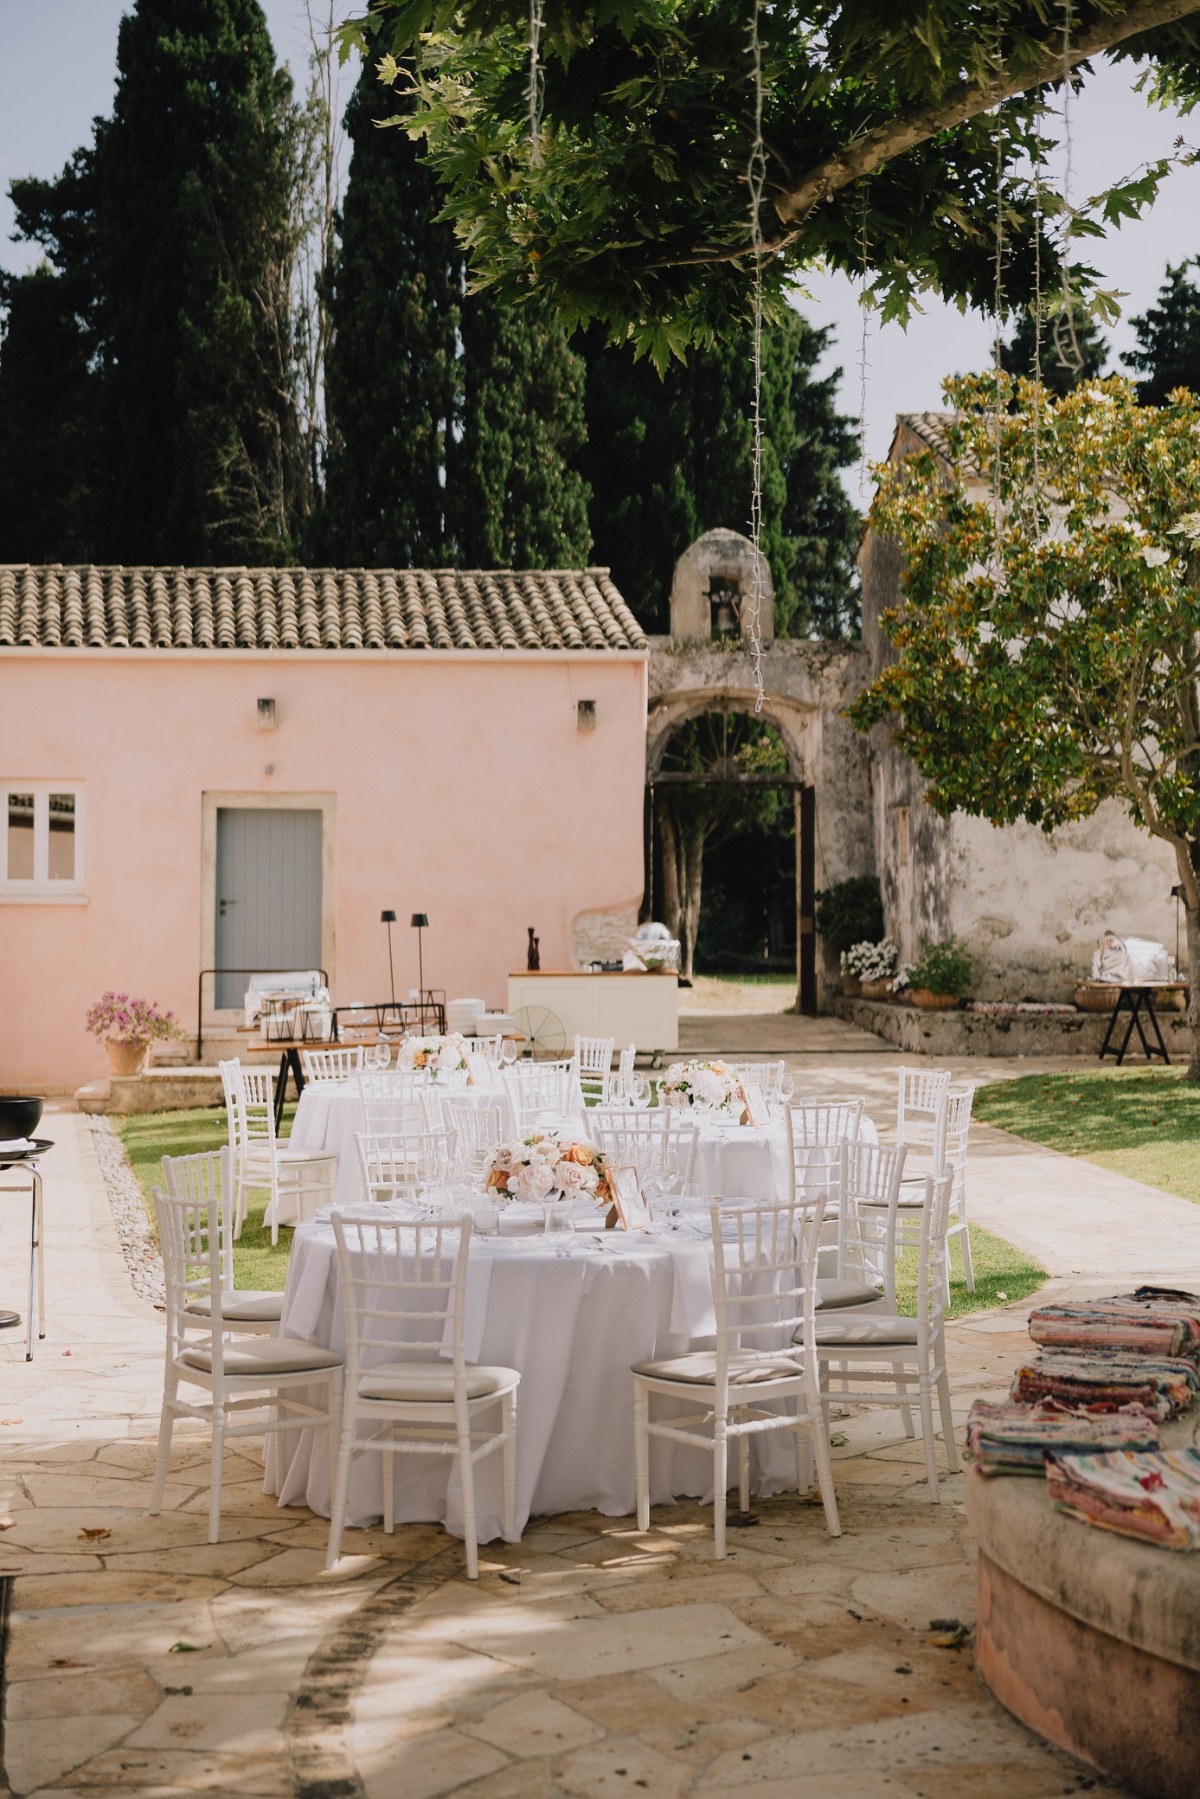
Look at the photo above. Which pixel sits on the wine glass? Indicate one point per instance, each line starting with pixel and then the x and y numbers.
pixel 787 1087
pixel 508 1052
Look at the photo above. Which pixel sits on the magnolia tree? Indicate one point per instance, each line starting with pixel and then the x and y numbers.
pixel 1048 636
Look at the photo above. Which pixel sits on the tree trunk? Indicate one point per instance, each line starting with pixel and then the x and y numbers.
pixel 682 844
pixel 1192 916
pixel 693 836
pixel 668 839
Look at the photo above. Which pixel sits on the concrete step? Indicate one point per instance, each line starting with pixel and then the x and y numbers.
pixel 158 1090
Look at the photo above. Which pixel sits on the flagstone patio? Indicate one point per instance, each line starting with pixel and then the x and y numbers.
pixel 591 1659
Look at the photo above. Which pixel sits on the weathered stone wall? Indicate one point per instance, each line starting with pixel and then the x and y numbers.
pixel 602 936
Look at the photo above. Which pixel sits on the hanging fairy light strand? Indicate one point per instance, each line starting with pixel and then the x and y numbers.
pixel 1066 341
pixel 998 321
pixel 863 363
pixel 536 79
pixel 756 174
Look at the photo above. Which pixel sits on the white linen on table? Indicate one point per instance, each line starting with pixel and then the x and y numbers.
pixel 573 1326
pixel 742 1161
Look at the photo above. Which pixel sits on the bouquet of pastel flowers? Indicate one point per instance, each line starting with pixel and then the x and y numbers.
pixel 436 1055
pixel 540 1166
pixel 707 1086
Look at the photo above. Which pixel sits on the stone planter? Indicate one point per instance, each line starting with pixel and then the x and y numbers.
pixel 126 1058
pixel 851 986
pixel 875 989
pixel 933 1002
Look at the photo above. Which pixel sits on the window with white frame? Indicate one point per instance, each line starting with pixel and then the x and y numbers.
pixel 43 840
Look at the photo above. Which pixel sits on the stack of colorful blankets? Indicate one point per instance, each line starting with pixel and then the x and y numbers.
pixel 1086 1410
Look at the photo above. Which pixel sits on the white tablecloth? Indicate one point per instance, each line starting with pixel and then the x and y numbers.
pixel 329 1114
pixel 572 1326
pixel 742 1161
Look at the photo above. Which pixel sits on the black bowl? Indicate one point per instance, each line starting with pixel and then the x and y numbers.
pixel 19 1117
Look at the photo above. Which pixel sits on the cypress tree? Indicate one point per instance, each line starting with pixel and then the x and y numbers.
pixel 392 377
pixel 1168 352
pixel 195 259
pixel 669 459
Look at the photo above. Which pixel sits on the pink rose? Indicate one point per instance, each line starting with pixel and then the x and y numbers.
pixel 570 1177
pixel 535 1181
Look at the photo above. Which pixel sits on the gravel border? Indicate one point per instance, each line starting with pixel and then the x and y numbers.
pixel 139 1245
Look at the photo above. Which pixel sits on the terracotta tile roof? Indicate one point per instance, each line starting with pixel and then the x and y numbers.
pixel 933 430
pixel 314 609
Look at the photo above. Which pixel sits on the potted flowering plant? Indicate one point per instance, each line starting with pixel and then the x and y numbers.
pixel 872 965
pixel 127 1027
pixel 941 975
pixel 541 1169
pixel 703 1086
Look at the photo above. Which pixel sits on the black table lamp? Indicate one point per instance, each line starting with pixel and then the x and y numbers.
pixel 389 918
pixel 419 923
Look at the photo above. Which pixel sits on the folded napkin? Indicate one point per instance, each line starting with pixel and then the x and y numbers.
pixel 16 1146
pixel 1107 1378
pixel 1154 1497
pixel 1150 1321
pixel 1007 1438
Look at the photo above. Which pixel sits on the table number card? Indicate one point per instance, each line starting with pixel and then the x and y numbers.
pixel 633 1208
pixel 479 1070
pixel 757 1109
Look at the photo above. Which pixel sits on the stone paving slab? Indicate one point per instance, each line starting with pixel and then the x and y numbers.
pixel 590 1660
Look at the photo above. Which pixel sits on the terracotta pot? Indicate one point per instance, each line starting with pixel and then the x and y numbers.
pixel 875 989
pixel 126 1058
pixel 851 986
pixel 933 1002
pixel 1096 996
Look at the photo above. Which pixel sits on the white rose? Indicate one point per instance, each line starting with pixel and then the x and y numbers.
pixel 571 1177
pixel 535 1181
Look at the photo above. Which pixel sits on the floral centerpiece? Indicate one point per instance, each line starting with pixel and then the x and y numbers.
pixel 127 1027
pixel 705 1086
pixel 437 1056
pixel 540 1167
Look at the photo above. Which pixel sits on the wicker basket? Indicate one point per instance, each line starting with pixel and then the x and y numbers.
pixel 1096 996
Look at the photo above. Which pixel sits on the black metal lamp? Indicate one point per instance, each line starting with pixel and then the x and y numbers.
pixel 419 923
pixel 388 918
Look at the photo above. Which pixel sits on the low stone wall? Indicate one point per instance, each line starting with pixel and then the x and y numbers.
pixel 961 1033
pixel 158 1090
pixel 1091 1639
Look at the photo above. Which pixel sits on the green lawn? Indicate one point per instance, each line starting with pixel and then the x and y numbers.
pixel 1139 1122
pixel 1002 1273
pixel 149 1137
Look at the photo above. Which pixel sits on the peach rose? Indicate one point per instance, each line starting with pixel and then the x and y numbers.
pixel 582 1153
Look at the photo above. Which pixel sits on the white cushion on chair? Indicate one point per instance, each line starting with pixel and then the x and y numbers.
pixel 837 1295
pixel 264 1356
pixel 871 1328
pixel 431 1383
pixel 251 1306
pixel 261 1158
pixel 700 1369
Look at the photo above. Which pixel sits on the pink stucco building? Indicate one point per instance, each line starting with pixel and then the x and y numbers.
pixel 207 767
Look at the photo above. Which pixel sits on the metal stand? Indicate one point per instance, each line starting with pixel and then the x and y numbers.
pixel 36 1314
pixel 1139 1003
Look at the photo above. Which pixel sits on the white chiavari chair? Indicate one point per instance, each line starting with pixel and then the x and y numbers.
pixel 619 1088
pixel 591 1064
pixel 475 1131
pixel 390 1099
pixel 921 1100
pixel 486 1046
pixel 659 1142
pixel 884 1359
pixel 542 1095
pixel 813 1122
pixel 768 1076
pixel 404 1165
pixel 263 1162
pixel 257 1374
pixel 958 1128
pixel 205 1182
pixel 321 1065
pixel 764 1286
pixel 406 1283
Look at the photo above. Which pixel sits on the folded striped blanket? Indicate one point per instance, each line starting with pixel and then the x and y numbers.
pixel 1154 1496
pixel 1165 1385
pixel 1151 1321
pixel 1006 1438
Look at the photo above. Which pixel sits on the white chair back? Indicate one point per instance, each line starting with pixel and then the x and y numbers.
pixel 255 1097
pixel 868 1235
pixel 932 1284
pixel 591 1064
pixel 764 1282
pixel 619 1087
pixel 475 1132
pixel 204 1183
pixel 486 1046
pixel 229 1086
pixel 539 1092
pixel 403 1287
pixel 390 1099
pixel 921 1117
pixel 660 1143
pixel 959 1102
pixel 814 1121
pixel 331 1064
pixel 190 1237
pixel 402 1164
pixel 766 1075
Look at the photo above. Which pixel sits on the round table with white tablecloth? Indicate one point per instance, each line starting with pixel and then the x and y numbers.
pixel 329 1116
pixel 572 1325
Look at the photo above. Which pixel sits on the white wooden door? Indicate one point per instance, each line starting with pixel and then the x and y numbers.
pixel 268 894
